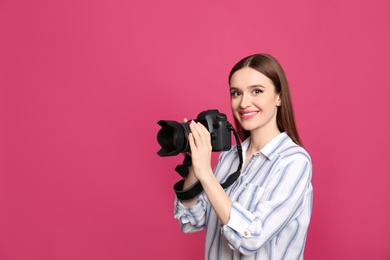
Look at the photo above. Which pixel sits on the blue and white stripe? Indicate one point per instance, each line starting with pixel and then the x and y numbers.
pixel 272 202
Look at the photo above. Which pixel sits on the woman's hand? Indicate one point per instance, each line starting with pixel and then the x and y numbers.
pixel 200 144
pixel 201 149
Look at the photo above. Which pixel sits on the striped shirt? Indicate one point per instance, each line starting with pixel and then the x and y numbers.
pixel 272 202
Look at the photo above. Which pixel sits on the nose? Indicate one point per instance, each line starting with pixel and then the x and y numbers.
pixel 245 101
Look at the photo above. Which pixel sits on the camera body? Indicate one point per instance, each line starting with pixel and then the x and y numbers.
pixel 173 136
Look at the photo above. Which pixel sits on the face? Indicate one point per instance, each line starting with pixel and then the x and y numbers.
pixel 254 101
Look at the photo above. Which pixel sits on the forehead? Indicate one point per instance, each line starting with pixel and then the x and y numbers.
pixel 246 77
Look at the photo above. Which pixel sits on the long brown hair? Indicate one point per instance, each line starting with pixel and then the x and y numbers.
pixel 270 67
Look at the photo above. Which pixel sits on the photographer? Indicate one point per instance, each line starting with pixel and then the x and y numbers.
pixel 266 212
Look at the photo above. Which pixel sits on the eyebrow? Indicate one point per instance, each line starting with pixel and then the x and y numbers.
pixel 251 87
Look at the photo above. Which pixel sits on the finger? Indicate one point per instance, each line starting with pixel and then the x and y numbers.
pixel 204 134
pixel 203 131
pixel 197 134
pixel 194 128
pixel 185 120
pixel 191 141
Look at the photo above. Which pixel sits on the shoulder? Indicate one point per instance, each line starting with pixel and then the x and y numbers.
pixel 291 151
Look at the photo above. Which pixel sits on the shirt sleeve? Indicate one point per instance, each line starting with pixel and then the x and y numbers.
pixel 281 200
pixel 191 219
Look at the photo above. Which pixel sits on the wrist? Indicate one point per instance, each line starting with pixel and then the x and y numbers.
pixel 206 176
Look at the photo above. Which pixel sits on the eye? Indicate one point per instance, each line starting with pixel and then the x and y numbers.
pixel 257 91
pixel 235 93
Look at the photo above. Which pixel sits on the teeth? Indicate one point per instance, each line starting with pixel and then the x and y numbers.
pixel 249 114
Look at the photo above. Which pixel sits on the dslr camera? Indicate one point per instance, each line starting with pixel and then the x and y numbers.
pixel 173 136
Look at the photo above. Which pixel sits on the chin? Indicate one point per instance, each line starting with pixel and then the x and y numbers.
pixel 247 127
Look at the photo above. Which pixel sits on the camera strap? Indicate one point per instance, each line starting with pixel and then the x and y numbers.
pixel 194 191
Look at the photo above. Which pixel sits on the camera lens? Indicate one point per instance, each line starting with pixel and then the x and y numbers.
pixel 170 139
pixel 173 138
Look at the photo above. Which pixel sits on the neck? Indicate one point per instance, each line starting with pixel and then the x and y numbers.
pixel 260 139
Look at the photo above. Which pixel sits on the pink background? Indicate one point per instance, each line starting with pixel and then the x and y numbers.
pixel 83 83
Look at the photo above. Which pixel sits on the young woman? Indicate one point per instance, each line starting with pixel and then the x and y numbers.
pixel 265 214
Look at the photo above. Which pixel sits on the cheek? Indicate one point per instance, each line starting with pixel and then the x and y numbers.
pixel 259 102
pixel 233 103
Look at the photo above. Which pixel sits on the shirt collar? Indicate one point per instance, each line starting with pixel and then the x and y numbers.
pixel 271 148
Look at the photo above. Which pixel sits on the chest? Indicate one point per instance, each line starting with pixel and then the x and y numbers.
pixel 254 180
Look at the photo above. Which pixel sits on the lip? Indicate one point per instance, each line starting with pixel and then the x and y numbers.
pixel 248 114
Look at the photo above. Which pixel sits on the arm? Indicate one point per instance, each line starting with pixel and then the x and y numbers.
pixel 191 214
pixel 200 144
pixel 284 201
pixel 193 218
pixel 188 182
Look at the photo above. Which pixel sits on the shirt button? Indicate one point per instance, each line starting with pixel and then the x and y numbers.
pixel 246 234
pixel 257 154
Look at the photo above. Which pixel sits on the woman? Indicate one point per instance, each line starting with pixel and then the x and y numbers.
pixel 265 214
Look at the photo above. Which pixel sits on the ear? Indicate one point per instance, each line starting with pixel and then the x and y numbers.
pixel 278 101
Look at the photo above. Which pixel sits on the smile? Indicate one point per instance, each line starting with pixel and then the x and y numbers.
pixel 248 115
